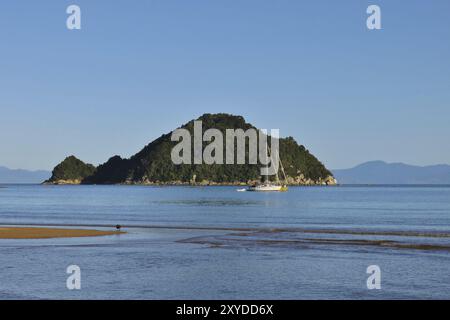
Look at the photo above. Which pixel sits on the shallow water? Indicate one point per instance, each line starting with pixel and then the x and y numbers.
pixel 216 243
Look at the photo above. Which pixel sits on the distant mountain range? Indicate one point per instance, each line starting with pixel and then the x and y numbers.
pixel 22 176
pixel 380 172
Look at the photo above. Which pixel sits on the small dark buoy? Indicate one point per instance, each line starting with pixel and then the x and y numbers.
pixel 118 226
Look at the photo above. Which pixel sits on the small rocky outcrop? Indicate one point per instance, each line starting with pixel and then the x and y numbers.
pixel 71 171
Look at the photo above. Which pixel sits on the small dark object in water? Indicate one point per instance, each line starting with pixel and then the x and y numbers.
pixel 118 226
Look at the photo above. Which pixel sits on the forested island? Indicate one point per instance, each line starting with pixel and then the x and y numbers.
pixel 153 164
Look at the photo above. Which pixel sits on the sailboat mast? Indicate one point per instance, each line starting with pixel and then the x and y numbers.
pixel 282 169
pixel 277 178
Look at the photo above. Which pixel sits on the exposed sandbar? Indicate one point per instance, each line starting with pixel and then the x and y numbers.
pixel 48 233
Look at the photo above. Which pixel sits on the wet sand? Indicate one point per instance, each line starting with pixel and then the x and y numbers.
pixel 48 233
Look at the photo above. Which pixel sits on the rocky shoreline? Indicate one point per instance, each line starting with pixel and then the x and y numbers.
pixel 297 181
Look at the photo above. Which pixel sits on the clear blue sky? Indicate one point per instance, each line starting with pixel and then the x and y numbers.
pixel 138 69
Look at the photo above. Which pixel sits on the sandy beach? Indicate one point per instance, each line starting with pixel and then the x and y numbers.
pixel 47 233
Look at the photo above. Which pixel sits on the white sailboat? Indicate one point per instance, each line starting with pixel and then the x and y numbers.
pixel 268 186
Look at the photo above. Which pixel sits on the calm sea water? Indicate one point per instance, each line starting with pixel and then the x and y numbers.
pixel 216 243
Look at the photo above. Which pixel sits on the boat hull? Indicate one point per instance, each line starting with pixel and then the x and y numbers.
pixel 267 188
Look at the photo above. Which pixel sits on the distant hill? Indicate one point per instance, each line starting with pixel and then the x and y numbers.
pixel 153 164
pixel 72 171
pixel 379 172
pixel 22 176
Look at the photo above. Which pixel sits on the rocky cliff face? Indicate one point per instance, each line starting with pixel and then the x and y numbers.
pixel 153 164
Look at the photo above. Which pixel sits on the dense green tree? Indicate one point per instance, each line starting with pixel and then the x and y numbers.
pixel 72 169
